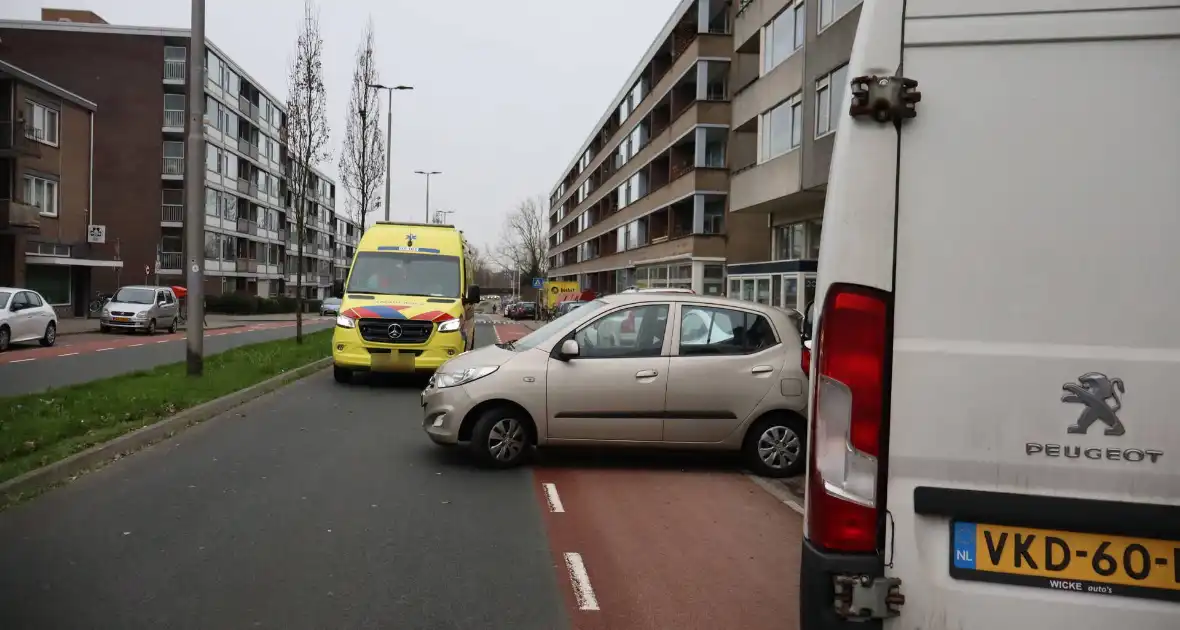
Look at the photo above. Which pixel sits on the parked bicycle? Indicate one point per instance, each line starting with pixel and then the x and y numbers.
pixel 100 300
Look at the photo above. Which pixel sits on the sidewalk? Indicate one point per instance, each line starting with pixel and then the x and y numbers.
pixel 78 325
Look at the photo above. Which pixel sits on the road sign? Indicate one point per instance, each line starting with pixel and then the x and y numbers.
pixel 96 234
pixel 538 283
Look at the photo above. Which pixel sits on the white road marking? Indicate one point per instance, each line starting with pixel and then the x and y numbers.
pixel 21 360
pixel 777 492
pixel 165 341
pixel 554 500
pixel 103 349
pixel 135 345
pixel 583 592
pixel 68 354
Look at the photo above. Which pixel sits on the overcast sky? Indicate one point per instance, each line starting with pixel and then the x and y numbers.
pixel 505 92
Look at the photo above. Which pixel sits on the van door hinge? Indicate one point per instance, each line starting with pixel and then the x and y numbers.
pixel 884 99
pixel 860 597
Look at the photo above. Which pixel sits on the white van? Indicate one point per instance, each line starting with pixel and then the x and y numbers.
pixel 995 438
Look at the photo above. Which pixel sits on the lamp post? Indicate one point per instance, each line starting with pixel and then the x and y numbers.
pixel 428 174
pixel 388 135
pixel 194 192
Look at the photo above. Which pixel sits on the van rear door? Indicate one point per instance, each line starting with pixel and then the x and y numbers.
pixel 1033 452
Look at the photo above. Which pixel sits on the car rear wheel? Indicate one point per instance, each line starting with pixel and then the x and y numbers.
pixel 500 438
pixel 342 375
pixel 5 338
pixel 775 445
pixel 50 337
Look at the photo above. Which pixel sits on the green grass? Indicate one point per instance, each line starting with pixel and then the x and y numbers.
pixel 39 429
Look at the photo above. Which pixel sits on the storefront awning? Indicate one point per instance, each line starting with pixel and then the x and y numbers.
pixel 71 262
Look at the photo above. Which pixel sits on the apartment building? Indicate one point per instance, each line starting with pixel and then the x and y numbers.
pixel 46 206
pixel 137 75
pixel 791 72
pixel 645 199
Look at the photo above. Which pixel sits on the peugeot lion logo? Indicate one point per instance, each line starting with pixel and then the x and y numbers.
pixel 1101 398
pixel 394 331
pixel 1094 390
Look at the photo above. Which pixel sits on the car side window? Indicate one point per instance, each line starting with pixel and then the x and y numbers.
pixel 631 332
pixel 721 331
pixel 160 297
pixel 169 298
pixel 19 301
pixel 34 299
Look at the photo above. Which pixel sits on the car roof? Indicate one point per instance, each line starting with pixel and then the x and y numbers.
pixel 11 289
pixel 694 298
pixel 142 286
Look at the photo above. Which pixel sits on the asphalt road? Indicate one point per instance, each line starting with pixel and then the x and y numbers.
pixel 324 506
pixel 319 506
pixel 83 358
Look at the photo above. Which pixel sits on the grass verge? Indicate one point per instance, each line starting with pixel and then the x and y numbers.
pixel 42 428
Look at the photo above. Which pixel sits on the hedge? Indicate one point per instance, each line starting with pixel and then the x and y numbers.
pixel 245 304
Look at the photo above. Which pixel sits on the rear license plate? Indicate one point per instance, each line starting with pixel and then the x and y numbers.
pixel 1066 561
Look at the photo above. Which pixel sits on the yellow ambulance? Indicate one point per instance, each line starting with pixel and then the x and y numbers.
pixel 408 301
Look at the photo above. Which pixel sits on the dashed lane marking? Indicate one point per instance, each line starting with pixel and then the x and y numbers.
pixel 580 580
pixel 103 349
pixel 22 360
pixel 552 497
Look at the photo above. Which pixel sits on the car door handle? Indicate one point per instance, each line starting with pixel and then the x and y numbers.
pixel 761 369
pixel 646 373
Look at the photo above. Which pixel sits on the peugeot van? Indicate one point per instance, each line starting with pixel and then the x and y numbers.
pixel 995 441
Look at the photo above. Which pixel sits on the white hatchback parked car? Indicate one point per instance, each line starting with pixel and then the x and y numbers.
pixel 25 316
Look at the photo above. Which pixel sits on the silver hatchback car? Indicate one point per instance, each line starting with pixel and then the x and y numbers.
pixel 672 370
pixel 142 309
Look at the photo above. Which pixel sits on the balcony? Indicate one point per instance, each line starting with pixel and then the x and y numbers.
pixel 699 245
pixel 770 186
pixel 17 215
pixel 769 90
pixel 247 265
pixel 172 213
pixel 246 226
pixel 171 261
pixel 174 120
pixel 174 71
pixel 15 140
pixel 173 167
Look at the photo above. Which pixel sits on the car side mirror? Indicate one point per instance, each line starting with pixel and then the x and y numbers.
pixel 569 350
pixel 162 303
pixel 472 295
pixel 16 307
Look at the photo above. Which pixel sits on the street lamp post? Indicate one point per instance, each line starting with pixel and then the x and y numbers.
pixel 428 174
pixel 194 192
pixel 388 135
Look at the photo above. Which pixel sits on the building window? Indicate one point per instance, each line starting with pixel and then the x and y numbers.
pixel 714 211
pixel 829 99
pixel 780 129
pixel 832 10
pixel 41 193
pixel 782 36
pixel 714 280
pixel 37 248
pixel 51 281
pixel 797 241
pixel 41 123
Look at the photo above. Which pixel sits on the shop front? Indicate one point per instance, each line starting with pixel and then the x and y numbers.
pixel 781 283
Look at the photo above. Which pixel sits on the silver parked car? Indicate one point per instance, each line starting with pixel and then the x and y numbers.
pixel 330 306
pixel 672 370
pixel 141 309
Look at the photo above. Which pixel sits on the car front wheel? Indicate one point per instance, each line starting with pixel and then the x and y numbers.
pixel 341 375
pixel 500 438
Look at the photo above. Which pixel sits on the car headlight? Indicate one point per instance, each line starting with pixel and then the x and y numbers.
pixel 106 312
pixel 451 325
pixel 141 315
pixel 345 321
pixel 462 377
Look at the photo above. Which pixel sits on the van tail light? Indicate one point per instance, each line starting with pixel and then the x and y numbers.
pixel 847 419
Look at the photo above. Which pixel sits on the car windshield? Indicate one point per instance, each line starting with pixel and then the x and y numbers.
pixel 540 335
pixel 402 273
pixel 332 301
pixel 128 295
pixel 4 295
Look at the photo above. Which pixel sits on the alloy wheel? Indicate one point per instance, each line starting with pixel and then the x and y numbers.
pixel 779 447
pixel 506 439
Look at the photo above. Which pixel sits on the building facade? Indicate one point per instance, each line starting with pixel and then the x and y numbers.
pixel 710 170
pixel 46 184
pixel 137 75
pixel 645 200
pixel 792 73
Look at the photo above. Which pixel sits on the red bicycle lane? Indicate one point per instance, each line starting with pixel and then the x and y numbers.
pixel 657 549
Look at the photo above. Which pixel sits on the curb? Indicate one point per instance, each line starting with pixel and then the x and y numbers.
pixel 67 469
pixel 781 490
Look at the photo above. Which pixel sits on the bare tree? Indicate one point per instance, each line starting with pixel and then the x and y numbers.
pixel 524 246
pixel 306 133
pixel 362 161
pixel 477 263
